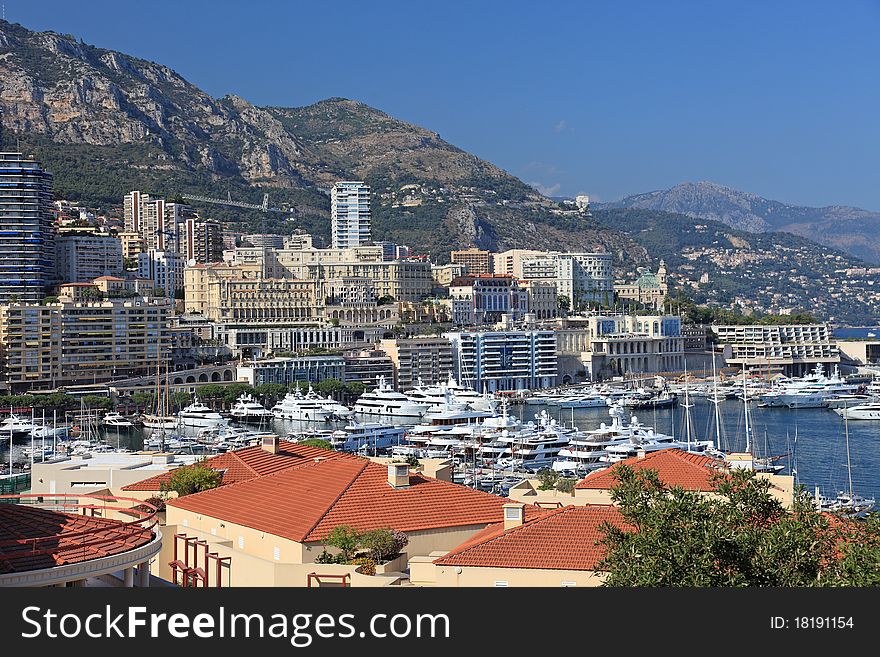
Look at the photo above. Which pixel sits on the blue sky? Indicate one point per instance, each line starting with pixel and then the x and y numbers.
pixel 780 98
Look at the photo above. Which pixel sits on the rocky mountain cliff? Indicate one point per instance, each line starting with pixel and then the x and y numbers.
pixel 853 230
pixel 105 123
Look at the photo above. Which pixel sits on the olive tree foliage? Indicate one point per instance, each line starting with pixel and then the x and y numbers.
pixel 741 537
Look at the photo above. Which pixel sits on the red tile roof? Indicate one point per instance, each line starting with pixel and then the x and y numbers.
pixel 304 504
pixel 675 467
pixel 564 539
pixel 66 543
pixel 248 463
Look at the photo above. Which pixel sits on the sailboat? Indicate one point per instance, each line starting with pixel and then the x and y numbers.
pixel 747 459
pixel 162 418
pixel 847 503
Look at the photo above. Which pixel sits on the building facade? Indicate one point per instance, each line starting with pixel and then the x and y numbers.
pixel 793 350
pixel 583 278
pixel 82 258
pixel 476 260
pixel 44 346
pixel 285 371
pixel 27 230
pixel 504 360
pixel 425 359
pixel 350 214
pixel 483 299
pixel 164 268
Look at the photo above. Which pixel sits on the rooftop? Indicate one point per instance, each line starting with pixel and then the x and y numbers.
pixel 564 539
pixel 306 503
pixel 32 538
pixel 248 463
pixel 675 467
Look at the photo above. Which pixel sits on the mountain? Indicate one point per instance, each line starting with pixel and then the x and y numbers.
pixel 105 123
pixel 767 272
pixel 853 230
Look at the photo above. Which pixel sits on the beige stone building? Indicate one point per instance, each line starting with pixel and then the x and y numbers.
pixel 425 359
pixel 510 261
pixel 477 261
pixel 553 549
pixel 274 527
pixel 44 346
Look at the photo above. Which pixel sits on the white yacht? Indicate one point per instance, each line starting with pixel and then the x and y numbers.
pixel 248 409
pixel 536 445
pixel 198 414
pixel 15 425
pixel 870 411
pixel 437 395
pixel 366 438
pixel 810 391
pixel 310 407
pixel 159 421
pixel 117 421
pixel 386 402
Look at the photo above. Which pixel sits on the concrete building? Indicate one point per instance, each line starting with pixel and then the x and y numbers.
pixel 583 278
pixel 793 350
pixel 264 240
pixel 443 275
pixel 425 359
pixel 81 258
pixel 558 548
pixel 200 240
pixel 247 340
pixel 366 366
pixel 290 370
pixel 27 231
pixel 477 261
pixel 300 506
pixel 504 360
pixel 478 300
pixel 511 261
pixel 132 244
pixel 44 346
pixel 350 214
pixel 541 296
pixel 164 268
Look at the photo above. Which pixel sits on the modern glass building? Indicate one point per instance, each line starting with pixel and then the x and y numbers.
pixel 350 214
pixel 27 231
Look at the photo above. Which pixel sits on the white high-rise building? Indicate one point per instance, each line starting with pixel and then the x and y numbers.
pixel 350 214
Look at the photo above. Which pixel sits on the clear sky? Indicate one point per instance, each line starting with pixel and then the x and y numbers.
pixel 777 97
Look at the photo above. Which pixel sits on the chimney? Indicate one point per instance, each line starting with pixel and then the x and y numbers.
pixel 271 444
pixel 398 475
pixel 514 514
pixel 640 454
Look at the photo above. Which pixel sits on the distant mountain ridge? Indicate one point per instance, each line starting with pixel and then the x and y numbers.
pixel 105 123
pixel 853 230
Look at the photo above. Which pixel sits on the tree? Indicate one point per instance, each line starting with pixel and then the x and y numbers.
pixel 563 303
pixel 383 544
pixel 180 399
pixel 547 479
pixel 346 539
pixel 316 442
pixel 192 479
pixel 742 537
pixel 270 391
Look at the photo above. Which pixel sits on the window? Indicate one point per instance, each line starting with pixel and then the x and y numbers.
pixel 501 583
pixel 276 553
pixel 241 542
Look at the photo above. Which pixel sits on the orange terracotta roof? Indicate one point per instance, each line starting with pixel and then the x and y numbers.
pixel 109 278
pixel 305 504
pixel 68 545
pixel 675 467
pixel 248 463
pixel 564 539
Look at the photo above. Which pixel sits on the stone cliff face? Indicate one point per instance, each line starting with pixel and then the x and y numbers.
pixel 106 122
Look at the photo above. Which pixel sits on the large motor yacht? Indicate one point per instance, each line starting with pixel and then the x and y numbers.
pixel 385 402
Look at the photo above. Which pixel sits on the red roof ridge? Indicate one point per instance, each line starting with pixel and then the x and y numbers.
pixel 336 499
pixel 695 460
pixel 484 537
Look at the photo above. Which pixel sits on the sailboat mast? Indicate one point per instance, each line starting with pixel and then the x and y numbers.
pixel 687 408
pixel 848 461
pixel 716 401
pixel 746 410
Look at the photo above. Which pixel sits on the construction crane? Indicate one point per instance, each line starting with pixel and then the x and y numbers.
pixel 238 204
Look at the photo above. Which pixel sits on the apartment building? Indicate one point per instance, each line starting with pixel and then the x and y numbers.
pixel 81 258
pixel 44 346
pixel 27 231
pixel 423 359
pixel 476 260
pixel 793 349
pixel 583 278
pixel 164 268
pixel 483 299
pixel 367 366
pixel 504 360
pixel 511 261
pixel 350 214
